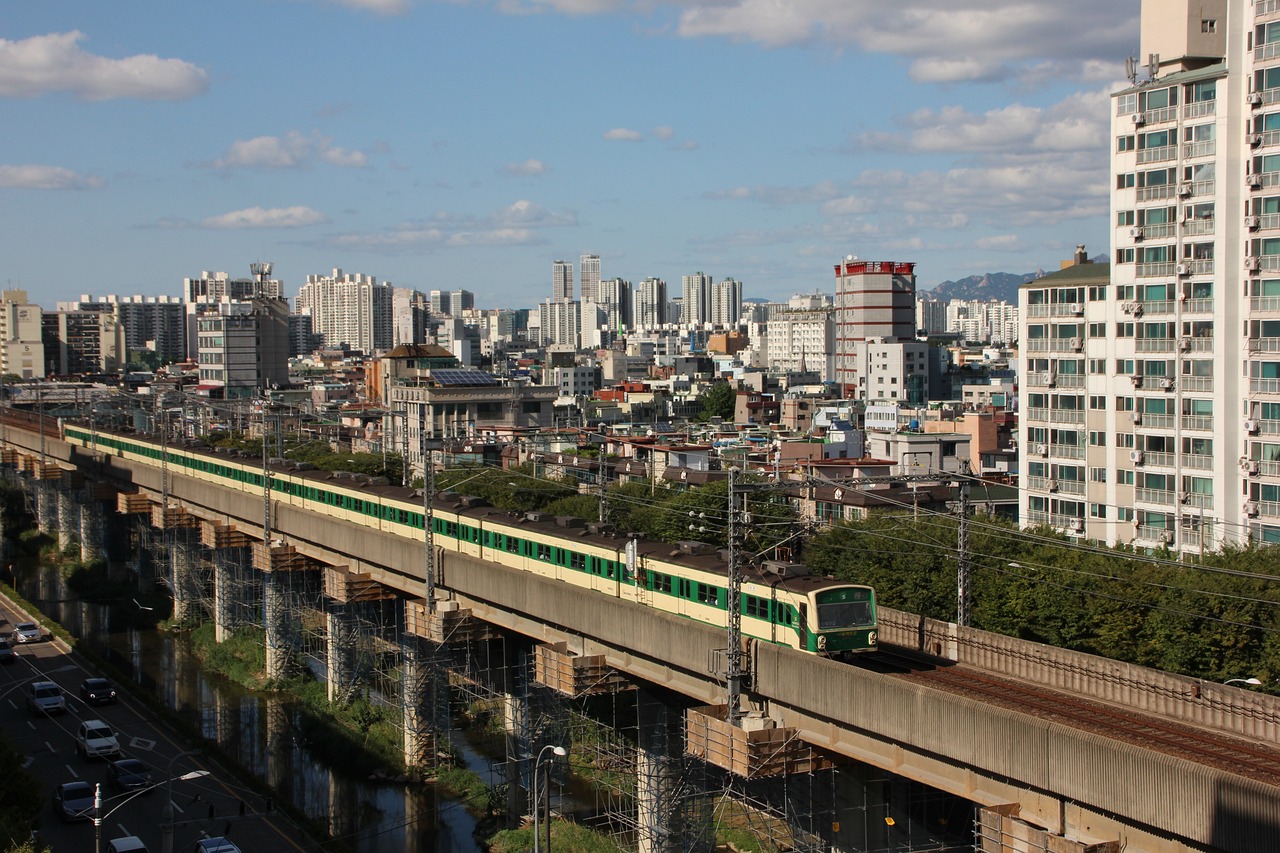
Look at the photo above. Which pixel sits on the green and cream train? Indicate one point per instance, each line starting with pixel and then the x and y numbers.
pixel 780 602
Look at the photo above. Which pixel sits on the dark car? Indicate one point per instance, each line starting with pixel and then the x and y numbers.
pixel 97 691
pixel 128 774
pixel 7 654
pixel 73 801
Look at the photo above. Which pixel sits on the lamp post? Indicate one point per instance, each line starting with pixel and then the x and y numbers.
pixel 166 838
pixel 99 817
pixel 537 804
pixel 1252 682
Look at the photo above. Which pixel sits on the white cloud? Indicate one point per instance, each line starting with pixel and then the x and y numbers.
pixel 55 63
pixel 526 169
pixel 379 7
pixel 275 217
pixel 664 132
pixel 47 178
pixel 622 134
pixel 291 151
pixel 1000 243
pixel 514 225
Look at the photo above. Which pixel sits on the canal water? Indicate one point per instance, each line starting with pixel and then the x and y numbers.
pixel 261 732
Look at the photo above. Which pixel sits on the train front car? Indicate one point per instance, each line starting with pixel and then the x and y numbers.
pixel 846 621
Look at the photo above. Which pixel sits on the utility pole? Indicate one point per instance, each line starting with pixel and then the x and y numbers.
pixel 962 549
pixel 428 503
pixel 603 472
pixel 733 676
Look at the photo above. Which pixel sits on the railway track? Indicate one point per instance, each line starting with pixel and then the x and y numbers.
pixel 1223 752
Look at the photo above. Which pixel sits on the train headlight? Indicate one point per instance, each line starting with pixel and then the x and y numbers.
pixel 871 638
pixel 822 644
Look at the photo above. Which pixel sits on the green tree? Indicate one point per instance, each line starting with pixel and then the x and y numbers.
pixel 718 401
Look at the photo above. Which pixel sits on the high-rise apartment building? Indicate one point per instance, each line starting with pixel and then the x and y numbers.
pixel 695 290
pixel 931 315
pixel 560 322
pixel 801 340
pixel 1151 394
pixel 460 301
pixel 650 309
pixel 875 301
pixel 441 301
pixel 589 278
pixel 154 323
pixel 80 342
pixel 726 303
pixel 561 281
pixel 21 336
pixel 349 308
pixel 615 298
pixel 243 347
pixel 221 287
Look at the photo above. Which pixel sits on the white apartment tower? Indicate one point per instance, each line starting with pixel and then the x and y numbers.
pixel 875 301
pixel 616 299
pixel 561 281
pixel 589 278
pixel 695 293
pixel 1173 364
pixel 349 308
pixel 650 309
pixel 726 302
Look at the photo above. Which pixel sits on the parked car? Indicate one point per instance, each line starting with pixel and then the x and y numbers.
pixel 7 654
pixel 217 844
pixel 128 844
pixel 73 801
pixel 97 691
pixel 45 697
pixel 27 632
pixel 95 739
pixel 128 774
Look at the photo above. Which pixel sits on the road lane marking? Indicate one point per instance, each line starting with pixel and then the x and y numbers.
pixel 179 808
pixel 71 770
pixel 51 749
pixel 142 743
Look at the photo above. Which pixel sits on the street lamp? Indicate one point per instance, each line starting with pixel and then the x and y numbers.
pixel 537 848
pixel 1252 682
pixel 99 817
pixel 166 838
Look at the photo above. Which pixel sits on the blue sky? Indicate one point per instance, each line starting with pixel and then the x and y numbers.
pixel 469 144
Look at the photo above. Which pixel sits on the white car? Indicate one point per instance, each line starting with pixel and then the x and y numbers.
pixel 45 697
pixel 95 739
pixel 216 845
pixel 27 632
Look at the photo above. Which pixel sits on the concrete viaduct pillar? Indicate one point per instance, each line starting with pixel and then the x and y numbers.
pixel 91 530
pixel 275 603
pixel 46 507
pixel 184 575
pixel 224 593
pixel 658 766
pixel 339 652
pixel 68 509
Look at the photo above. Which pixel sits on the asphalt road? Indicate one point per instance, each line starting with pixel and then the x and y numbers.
pixel 204 806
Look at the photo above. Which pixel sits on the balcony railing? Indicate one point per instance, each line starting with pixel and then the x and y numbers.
pixel 1157 306
pixel 1197 500
pixel 1157 459
pixel 1066 416
pixel 1269 221
pixel 1264 386
pixel 1269 508
pixel 1162 535
pixel 1154 344
pixel 1161 115
pixel 1159 497
pixel 1049 484
pixel 1264 344
pixel 1208 148
pixel 1268 469
pixel 1160 270
pixel 1202 305
pixel 1036 345
pixel 1197 344
pixel 1198 227
pixel 1269 427
pixel 1155 421
pixel 1202 188
pixel 1266 51
pixel 1263 9
pixel 1199 266
pixel 1066 451
pixel 1267 179
pixel 1195 383
pixel 1199 422
pixel 1157 192
pixel 1270 96
pixel 1157 155
pixel 1270 138
pixel 1039 310
pixel 1037 413
pixel 1198 461
pixel 1199 108
pixel 1264 303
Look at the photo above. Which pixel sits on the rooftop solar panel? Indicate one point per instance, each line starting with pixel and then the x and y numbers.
pixel 463 377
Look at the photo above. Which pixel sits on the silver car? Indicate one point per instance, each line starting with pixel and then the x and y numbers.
pixel 45 697
pixel 27 632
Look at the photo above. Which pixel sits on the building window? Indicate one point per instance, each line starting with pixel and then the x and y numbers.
pixel 1124 477
pixel 1097 475
pixel 1208 25
pixel 1097 510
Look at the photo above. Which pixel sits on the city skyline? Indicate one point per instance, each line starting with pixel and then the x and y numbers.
pixel 751 145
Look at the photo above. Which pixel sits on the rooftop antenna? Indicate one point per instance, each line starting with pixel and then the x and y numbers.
pixel 1131 69
pixel 262 274
pixel 1153 65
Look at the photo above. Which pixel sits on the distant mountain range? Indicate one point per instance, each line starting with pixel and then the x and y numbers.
pixel 1001 286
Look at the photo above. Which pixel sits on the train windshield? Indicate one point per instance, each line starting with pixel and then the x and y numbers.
pixel 844 614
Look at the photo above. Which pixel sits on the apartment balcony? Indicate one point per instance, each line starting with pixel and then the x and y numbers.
pixel 1156 497
pixel 1268 427
pixel 1055 519
pixel 1049 484
pixel 1160 116
pixel 1039 311
pixel 1201 539
pixel 1066 451
pixel 1157 306
pixel 1198 344
pixel 1197 500
pixel 1266 10
pixel 1199 266
pixel 1264 386
pixel 1208 148
pixel 1264 344
pixel 1264 304
pixel 1036 413
pixel 1198 227
pixel 1261 180
pixel 1266 51
pixel 1161 270
pixel 1036 345
pixel 1269 221
pixel 1268 469
pixel 1202 188
pixel 1203 423
pixel 1160 191
pixel 1158 459
pixel 1268 509
pixel 1066 416
pixel 1198 462
pixel 1043 379
pixel 1203 305
pixel 1154 345
pixel 1148 420
pixel 1157 155
pixel 1159 535
pixel 1066 309
pixel 1195 383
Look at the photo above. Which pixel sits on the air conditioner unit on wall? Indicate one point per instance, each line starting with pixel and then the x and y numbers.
pixel 1254 99
pixel 1184 190
pixel 1251 426
pixel 1140 119
pixel 1248 466
pixel 1251 264
pixel 1183 269
pixel 1251 508
pixel 1136 417
pixel 1077 525
pixel 1135 456
pixel 1252 222
pixel 1167 383
pixel 1135 233
pixel 1253 140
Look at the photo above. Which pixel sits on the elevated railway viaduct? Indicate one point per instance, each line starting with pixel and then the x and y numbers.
pixel 1043 778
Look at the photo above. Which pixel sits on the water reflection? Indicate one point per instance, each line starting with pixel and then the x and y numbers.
pixel 256 731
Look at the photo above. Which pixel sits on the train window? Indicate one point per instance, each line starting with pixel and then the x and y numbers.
pixel 708 594
pixel 659 582
pixel 684 588
pixel 544 552
pixel 513 545
pixel 609 568
pixel 578 561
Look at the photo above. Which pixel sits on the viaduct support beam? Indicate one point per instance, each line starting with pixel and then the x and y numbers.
pixel 517 723
pixel 46 507
pixel 658 807
pixel 415 695
pixel 68 509
pixel 339 653
pixel 92 530
pixel 184 558
pixel 275 604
